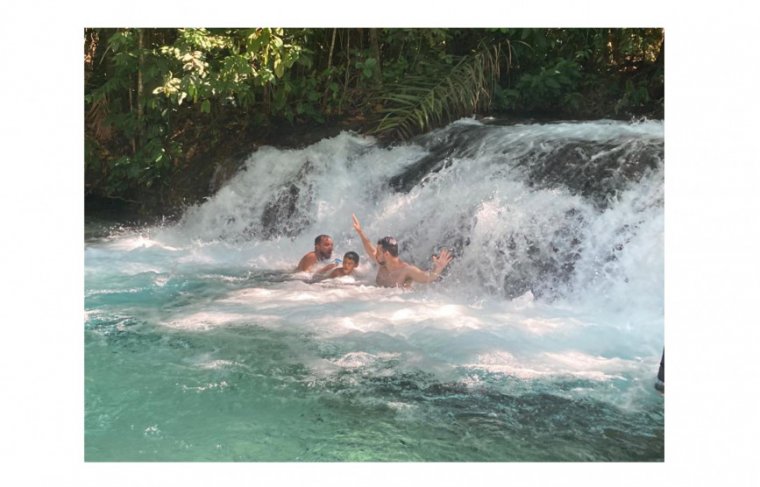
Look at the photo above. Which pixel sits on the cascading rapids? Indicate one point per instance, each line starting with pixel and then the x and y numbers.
pixel 541 342
pixel 551 209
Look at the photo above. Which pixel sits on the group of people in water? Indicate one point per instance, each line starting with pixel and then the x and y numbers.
pixel 392 271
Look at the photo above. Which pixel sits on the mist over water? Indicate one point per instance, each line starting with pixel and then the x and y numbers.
pixel 549 317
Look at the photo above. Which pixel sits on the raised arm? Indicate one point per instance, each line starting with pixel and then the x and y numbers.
pixel 439 263
pixel 366 242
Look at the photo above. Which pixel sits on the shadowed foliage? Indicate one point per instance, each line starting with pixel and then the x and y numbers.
pixel 164 106
pixel 420 103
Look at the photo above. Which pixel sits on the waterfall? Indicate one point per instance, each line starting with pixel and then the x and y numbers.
pixel 549 317
pixel 551 209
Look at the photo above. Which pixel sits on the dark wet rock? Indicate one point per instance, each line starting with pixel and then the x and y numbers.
pixel 454 142
pixel 596 171
pixel 287 212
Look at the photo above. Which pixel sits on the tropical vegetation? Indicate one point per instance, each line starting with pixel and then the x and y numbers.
pixel 164 103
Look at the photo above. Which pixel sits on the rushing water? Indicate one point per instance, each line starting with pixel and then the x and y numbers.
pixel 541 342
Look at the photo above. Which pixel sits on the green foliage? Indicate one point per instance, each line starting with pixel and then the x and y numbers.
pixel 155 97
pixel 226 67
pixel 155 90
pixel 369 68
pixel 582 72
pixel 635 95
pixel 424 102
pixel 551 86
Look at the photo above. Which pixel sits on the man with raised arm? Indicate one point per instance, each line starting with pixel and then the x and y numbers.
pixel 394 272
pixel 323 247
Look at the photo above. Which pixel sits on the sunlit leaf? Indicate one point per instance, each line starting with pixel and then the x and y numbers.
pixel 279 69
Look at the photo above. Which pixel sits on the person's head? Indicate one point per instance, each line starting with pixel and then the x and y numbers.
pixel 386 245
pixel 350 261
pixel 323 247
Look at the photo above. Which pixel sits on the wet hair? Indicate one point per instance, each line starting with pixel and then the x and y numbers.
pixel 352 256
pixel 390 245
pixel 319 239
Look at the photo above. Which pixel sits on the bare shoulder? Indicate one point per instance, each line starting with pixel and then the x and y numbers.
pixel 307 261
pixel 411 270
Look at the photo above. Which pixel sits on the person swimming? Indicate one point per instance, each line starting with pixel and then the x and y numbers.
pixel 350 262
pixel 323 248
pixel 394 272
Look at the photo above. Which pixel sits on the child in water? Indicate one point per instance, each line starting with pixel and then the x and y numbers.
pixel 350 262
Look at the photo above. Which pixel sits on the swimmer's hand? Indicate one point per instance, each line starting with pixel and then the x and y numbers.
pixel 441 260
pixel 357 225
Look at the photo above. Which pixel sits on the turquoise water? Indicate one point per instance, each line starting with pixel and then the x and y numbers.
pixel 201 344
pixel 245 392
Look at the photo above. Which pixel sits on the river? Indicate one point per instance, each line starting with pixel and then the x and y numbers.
pixel 541 341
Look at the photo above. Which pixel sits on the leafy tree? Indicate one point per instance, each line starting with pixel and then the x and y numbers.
pixel 155 99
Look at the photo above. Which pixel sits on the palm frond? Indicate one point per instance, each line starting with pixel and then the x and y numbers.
pixel 97 119
pixel 421 103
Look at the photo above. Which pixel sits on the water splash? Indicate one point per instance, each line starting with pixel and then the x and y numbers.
pixel 552 307
pixel 551 209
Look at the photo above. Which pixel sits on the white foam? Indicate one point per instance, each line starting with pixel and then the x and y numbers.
pixel 129 243
pixel 478 204
pixel 204 320
pixel 219 386
pixel 559 364
pixel 218 364
pixel 353 360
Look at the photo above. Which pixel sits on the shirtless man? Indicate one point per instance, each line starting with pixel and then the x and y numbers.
pixel 323 247
pixel 394 272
